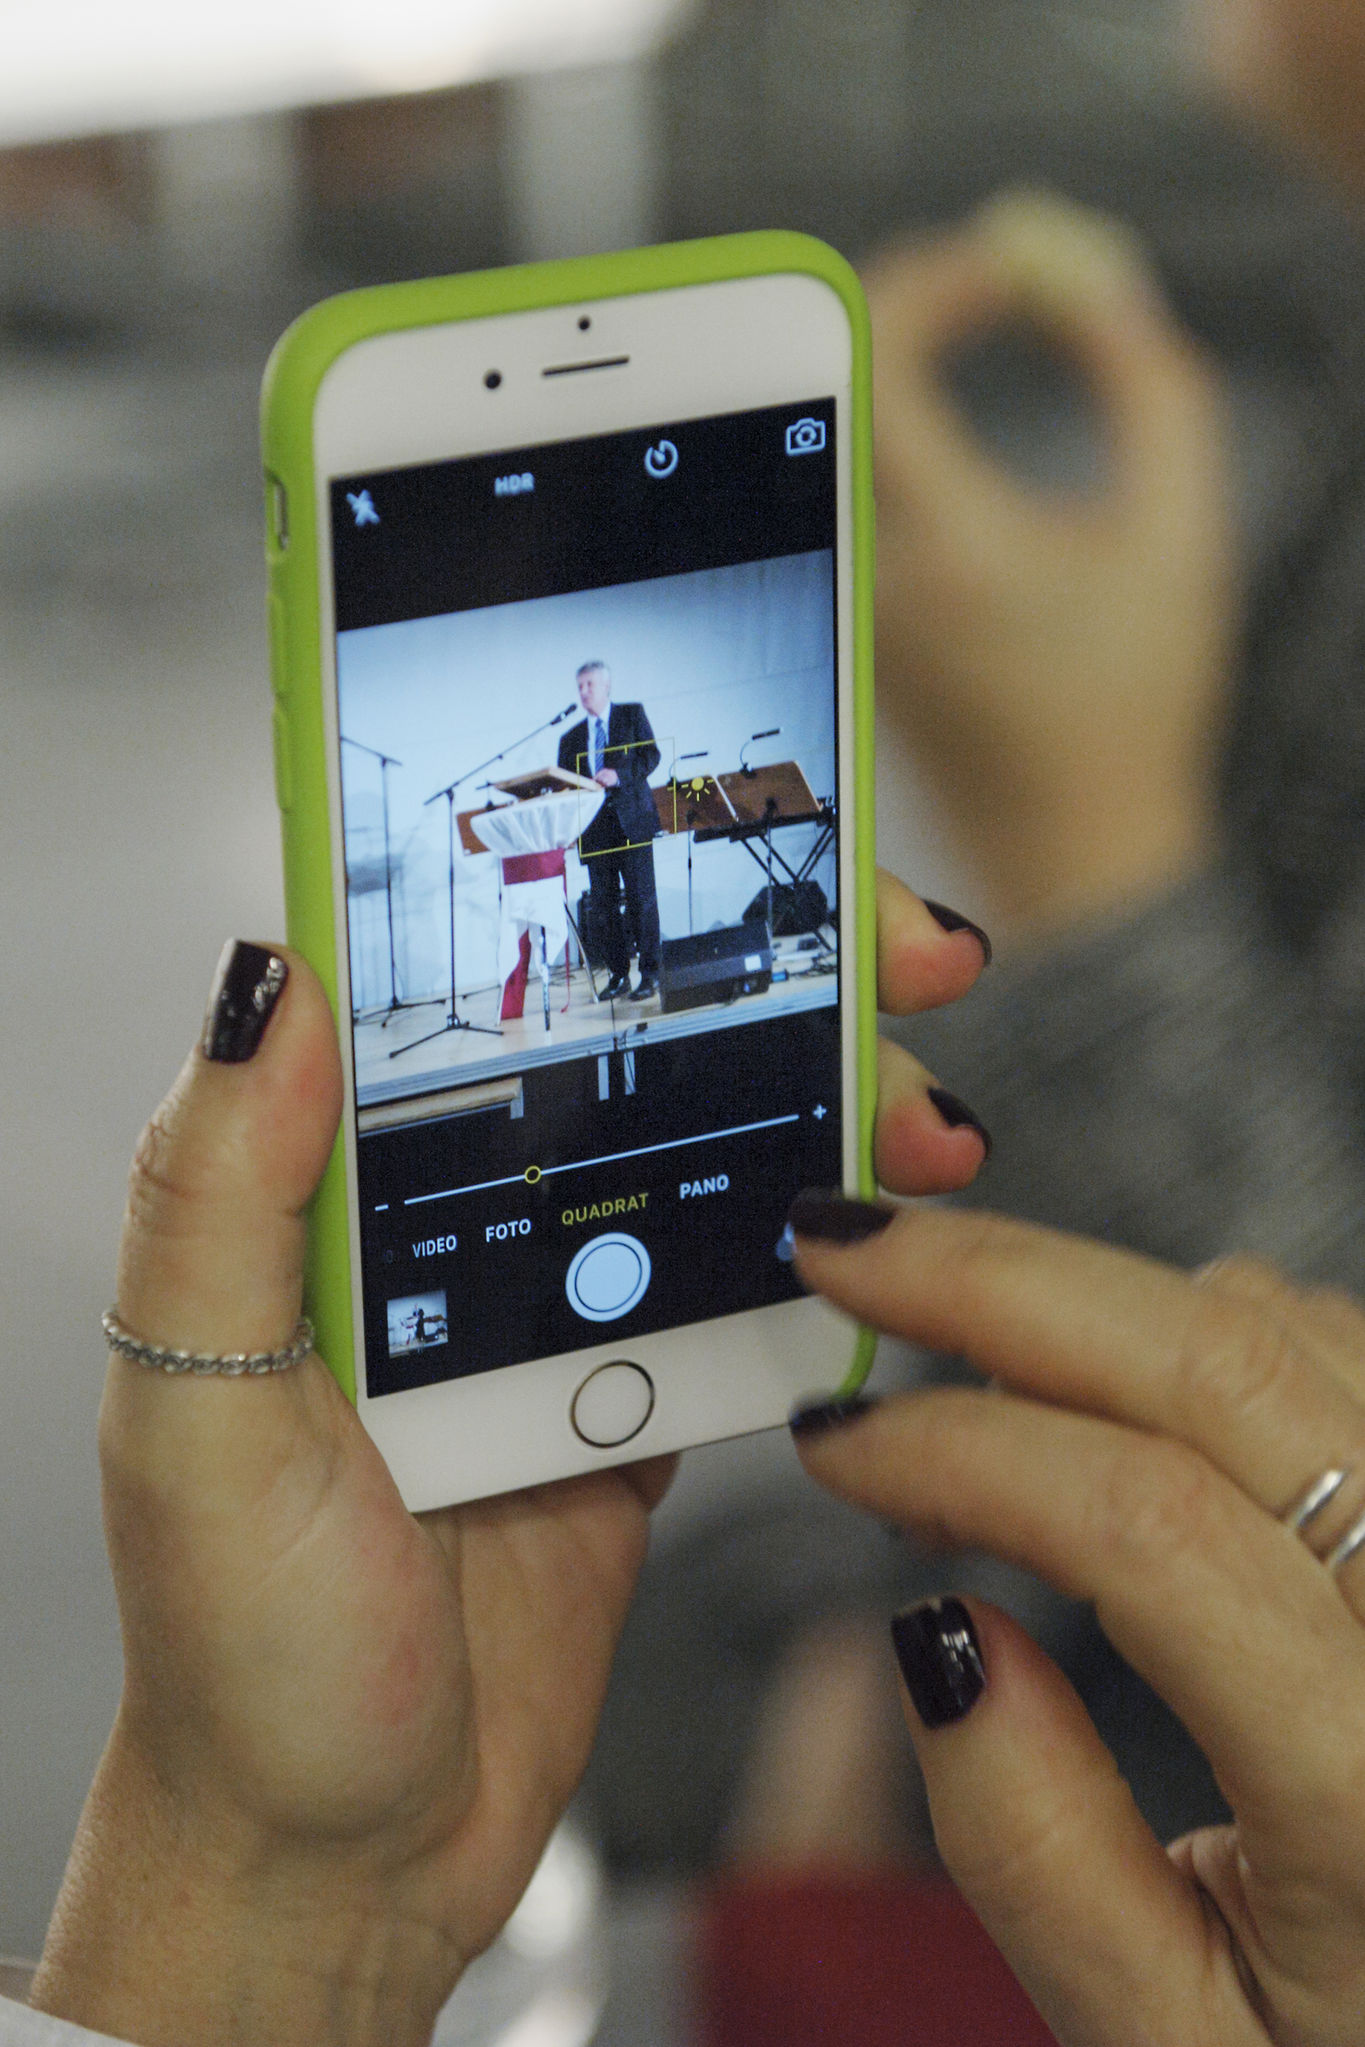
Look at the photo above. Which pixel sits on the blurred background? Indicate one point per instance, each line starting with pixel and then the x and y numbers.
pixel 171 193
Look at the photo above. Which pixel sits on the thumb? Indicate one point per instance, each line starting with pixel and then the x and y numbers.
pixel 211 1256
pixel 1040 1833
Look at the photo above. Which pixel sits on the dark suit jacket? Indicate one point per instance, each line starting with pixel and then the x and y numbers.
pixel 628 816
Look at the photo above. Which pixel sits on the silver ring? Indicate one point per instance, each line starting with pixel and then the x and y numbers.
pixel 157 1357
pixel 1351 1541
pixel 1320 1494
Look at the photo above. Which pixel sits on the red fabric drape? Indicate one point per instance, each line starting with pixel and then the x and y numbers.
pixel 877 1961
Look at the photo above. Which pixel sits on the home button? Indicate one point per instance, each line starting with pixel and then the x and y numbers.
pixel 612 1405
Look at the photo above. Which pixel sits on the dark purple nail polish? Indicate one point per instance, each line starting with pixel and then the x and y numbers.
pixel 953 920
pixel 940 1658
pixel 817 1417
pixel 246 987
pixel 958 1116
pixel 835 1219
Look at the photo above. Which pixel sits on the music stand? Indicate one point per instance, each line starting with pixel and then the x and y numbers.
pixel 780 790
pixel 764 798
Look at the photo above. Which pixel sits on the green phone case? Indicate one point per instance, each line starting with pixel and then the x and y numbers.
pixel 293 375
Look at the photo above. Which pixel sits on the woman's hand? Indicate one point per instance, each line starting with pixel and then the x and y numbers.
pixel 345 1733
pixel 1058 660
pixel 1142 1445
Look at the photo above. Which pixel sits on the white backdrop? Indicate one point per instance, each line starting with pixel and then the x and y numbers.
pixel 713 657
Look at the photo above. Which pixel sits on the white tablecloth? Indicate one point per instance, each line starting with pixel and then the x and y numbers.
pixel 545 824
pixel 526 906
pixel 540 826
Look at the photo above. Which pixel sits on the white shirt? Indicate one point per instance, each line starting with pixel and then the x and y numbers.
pixel 20 2027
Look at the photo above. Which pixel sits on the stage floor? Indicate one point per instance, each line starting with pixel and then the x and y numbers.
pixel 585 1029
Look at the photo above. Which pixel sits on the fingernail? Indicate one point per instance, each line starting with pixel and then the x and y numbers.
pixel 953 920
pixel 940 1659
pixel 958 1116
pixel 817 1417
pixel 246 987
pixel 834 1219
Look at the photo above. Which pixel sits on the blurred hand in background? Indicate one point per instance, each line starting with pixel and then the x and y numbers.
pixel 1058 659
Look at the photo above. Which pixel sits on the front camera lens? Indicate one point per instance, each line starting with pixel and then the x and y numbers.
pixel 493 379
pixel 584 324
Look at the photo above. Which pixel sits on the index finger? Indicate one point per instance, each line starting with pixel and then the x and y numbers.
pixel 1223 1612
pixel 1081 1325
pixel 927 955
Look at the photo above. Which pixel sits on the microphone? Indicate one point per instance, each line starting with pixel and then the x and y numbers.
pixel 771 733
pixel 567 712
pixel 695 756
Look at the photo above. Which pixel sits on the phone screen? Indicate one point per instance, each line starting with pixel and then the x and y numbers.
pixel 586 702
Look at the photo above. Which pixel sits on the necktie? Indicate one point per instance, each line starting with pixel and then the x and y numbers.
pixel 599 745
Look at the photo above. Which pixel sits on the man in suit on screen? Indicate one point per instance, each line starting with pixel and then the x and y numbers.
pixel 614 744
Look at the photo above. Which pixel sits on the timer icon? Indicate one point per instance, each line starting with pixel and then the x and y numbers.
pixel 661 459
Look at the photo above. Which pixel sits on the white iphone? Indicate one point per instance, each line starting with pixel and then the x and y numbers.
pixel 570 587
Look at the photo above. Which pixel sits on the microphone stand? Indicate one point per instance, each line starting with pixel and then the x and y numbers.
pixel 525 740
pixel 691 834
pixel 393 1005
pixel 455 1022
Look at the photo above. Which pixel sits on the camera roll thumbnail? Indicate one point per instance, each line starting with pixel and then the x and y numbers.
pixel 417 1322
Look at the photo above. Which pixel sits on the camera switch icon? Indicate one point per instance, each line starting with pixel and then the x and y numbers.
pixel 805 436
pixel 661 459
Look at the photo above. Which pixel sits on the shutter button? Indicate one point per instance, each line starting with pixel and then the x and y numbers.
pixel 608 1277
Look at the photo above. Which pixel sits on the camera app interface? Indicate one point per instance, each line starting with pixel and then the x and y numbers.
pixel 589 776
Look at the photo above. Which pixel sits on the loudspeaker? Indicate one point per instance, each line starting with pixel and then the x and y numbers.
pixel 715 966
pixel 590 924
pixel 798 907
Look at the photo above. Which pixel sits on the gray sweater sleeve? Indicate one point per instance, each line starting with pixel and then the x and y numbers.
pixel 1175 1083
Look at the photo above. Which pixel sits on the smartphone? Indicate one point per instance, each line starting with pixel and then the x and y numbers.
pixel 570 579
